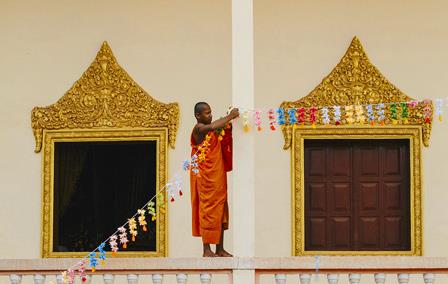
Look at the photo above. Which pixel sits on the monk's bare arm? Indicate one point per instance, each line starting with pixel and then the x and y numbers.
pixel 203 129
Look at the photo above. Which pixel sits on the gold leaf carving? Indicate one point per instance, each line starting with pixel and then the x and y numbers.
pixel 356 81
pixel 105 97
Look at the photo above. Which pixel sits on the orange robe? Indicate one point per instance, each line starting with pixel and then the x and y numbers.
pixel 210 211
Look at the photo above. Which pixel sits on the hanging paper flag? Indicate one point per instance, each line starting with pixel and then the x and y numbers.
pixel 171 191
pixel 337 115
pixel 439 109
pixel 302 115
pixel 142 219
pixel 102 256
pixel 186 165
pixel 412 103
pixel 178 184
pixel 194 164
pixel 380 113
pixel 359 111
pixel 325 116
pixel 313 111
pixel 152 210
pixel 123 237
pixel 82 271
pixel 132 224
pixel 257 119
pixel 245 117
pixel 281 116
pixel 93 261
pixel 271 117
pixel 113 244
pixel 71 276
pixel 292 116
pixel 427 111
pixel 404 112
pixel 371 115
pixel 393 111
pixel 349 114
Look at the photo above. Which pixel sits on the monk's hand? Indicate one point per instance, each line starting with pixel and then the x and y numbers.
pixel 234 113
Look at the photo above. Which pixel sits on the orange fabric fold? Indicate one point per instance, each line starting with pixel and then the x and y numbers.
pixel 210 211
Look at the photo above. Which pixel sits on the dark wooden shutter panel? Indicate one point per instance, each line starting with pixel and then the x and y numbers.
pixel 357 195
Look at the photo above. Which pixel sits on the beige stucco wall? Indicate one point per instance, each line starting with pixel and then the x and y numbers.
pixel 297 43
pixel 181 51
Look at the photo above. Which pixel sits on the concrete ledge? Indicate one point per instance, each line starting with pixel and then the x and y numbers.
pixel 226 265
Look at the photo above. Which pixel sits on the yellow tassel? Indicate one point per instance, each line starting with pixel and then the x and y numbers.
pixel 405 121
pixel 394 121
pixel 246 128
pixel 93 269
pixel 145 229
pixel 102 262
pixel 223 132
pixel 440 118
pixel 125 245
pixel 313 125
pixel 133 238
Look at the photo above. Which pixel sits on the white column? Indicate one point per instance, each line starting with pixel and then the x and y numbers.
pixel 380 278
pixel 15 279
pixel 403 278
pixel 205 278
pixel 354 278
pixel 243 176
pixel 429 278
pixel 305 278
pixel 181 278
pixel 157 278
pixel 132 278
pixel 39 279
pixel 280 278
pixel 108 278
pixel 333 278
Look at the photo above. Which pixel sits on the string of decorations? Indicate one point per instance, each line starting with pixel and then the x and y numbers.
pixel 373 114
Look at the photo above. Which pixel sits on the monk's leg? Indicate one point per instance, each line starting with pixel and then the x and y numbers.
pixel 208 251
pixel 220 251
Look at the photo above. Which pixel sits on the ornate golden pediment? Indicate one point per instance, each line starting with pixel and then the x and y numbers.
pixel 356 81
pixel 105 97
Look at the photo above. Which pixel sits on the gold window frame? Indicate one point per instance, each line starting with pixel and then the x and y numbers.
pixel 53 136
pixel 413 134
pixel 357 82
pixel 105 104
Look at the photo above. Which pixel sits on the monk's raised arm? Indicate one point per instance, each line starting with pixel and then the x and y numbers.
pixel 203 129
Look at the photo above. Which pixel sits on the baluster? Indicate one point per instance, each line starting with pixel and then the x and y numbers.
pixel 380 278
pixel 280 278
pixel 429 278
pixel 403 278
pixel 333 278
pixel 59 279
pixel 181 278
pixel 354 278
pixel 15 279
pixel 39 279
pixel 108 278
pixel 132 278
pixel 206 278
pixel 157 278
pixel 305 278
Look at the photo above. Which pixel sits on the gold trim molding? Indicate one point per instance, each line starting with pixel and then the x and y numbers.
pixel 413 133
pixel 50 137
pixel 105 97
pixel 356 81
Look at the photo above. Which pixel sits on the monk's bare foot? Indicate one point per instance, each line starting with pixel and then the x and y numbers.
pixel 208 252
pixel 222 253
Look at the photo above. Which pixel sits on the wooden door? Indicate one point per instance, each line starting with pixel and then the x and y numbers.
pixel 357 195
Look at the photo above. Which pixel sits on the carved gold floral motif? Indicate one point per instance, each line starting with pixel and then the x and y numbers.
pixel 105 97
pixel 355 81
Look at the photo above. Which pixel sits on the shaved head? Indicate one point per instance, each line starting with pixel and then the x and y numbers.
pixel 200 106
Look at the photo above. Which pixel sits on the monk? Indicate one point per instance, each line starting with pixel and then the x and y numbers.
pixel 209 187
